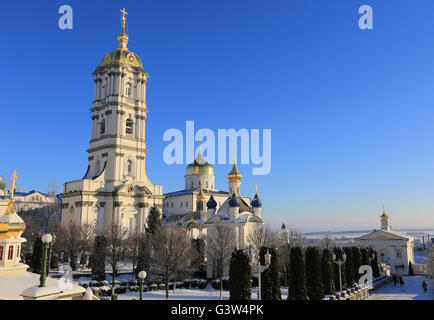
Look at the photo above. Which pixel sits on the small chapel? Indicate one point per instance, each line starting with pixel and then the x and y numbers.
pixel 16 283
pixel 394 250
pixel 115 189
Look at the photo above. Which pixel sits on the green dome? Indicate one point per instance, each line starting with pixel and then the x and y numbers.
pixel 198 168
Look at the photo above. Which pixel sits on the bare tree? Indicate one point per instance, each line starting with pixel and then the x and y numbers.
pixel 327 242
pixel 221 241
pixel 296 239
pixel 134 244
pixel 171 252
pixel 262 236
pixel 117 247
pixel 74 239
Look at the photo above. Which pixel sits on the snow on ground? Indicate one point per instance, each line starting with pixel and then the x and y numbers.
pixel 189 294
pixel 411 290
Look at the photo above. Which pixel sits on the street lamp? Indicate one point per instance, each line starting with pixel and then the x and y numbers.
pixel 267 258
pixel 340 263
pixel 46 239
pixel 142 276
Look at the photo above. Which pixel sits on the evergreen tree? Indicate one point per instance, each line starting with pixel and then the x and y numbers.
pixel 357 262
pixel 339 252
pixel 37 255
pixel 327 272
pixel 349 267
pixel 297 280
pixel 410 269
pixel 239 276
pixel 270 278
pixel 143 256
pixel 98 258
pixel 313 274
pixel 154 220
pixel 365 256
pixel 54 262
pixel 374 264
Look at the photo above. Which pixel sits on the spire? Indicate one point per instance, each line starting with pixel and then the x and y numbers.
pixel 10 209
pixel 384 216
pixel 234 174
pixel 200 159
pixel 201 195
pixel 283 226
pixel 123 37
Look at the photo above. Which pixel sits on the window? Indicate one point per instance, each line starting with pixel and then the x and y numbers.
pixel 171 204
pixel 129 167
pixel 1 253
pixel 186 203
pixel 18 252
pixel 398 253
pixel 11 252
pixel 128 90
pixel 102 127
pixel 71 210
pixel 207 184
pixel 129 126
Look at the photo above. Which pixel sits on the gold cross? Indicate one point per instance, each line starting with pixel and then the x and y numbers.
pixel 14 177
pixel 123 13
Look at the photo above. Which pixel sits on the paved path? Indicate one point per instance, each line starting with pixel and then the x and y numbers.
pixel 411 290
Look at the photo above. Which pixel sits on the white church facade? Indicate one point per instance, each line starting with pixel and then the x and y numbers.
pixel 394 250
pixel 115 188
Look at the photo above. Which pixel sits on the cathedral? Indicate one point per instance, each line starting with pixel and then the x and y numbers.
pixel 115 188
pixel 200 204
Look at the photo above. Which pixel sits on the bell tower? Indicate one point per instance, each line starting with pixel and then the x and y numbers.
pixel 117 148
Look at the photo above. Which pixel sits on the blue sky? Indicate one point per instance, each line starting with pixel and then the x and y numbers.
pixel 351 111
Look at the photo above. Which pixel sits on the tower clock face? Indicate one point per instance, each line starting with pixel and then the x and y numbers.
pixel 131 58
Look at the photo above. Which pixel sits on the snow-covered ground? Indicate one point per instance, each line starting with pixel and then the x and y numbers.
pixel 411 290
pixel 189 294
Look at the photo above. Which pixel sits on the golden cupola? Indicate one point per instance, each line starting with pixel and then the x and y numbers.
pixel 122 55
pixel 234 174
pixel 11 225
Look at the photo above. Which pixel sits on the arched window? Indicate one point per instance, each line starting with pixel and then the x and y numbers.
pixel 18 251
pixel 71 210
pixel 129 126
pixel 186 203
pixel 1 253
pixel 129 167
pixel 207 184
pixel 11 252
pixel 102 127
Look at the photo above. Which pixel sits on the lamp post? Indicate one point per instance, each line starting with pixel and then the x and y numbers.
pixel 340 263
pixel 142 276
pixel 267 258
pixel 46 239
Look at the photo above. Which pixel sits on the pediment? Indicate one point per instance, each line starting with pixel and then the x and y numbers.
pixel 382 235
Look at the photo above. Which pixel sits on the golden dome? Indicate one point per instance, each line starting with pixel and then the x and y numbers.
pixel 122 55
pixel 234 175
pixel 199 166
pixel 201 195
